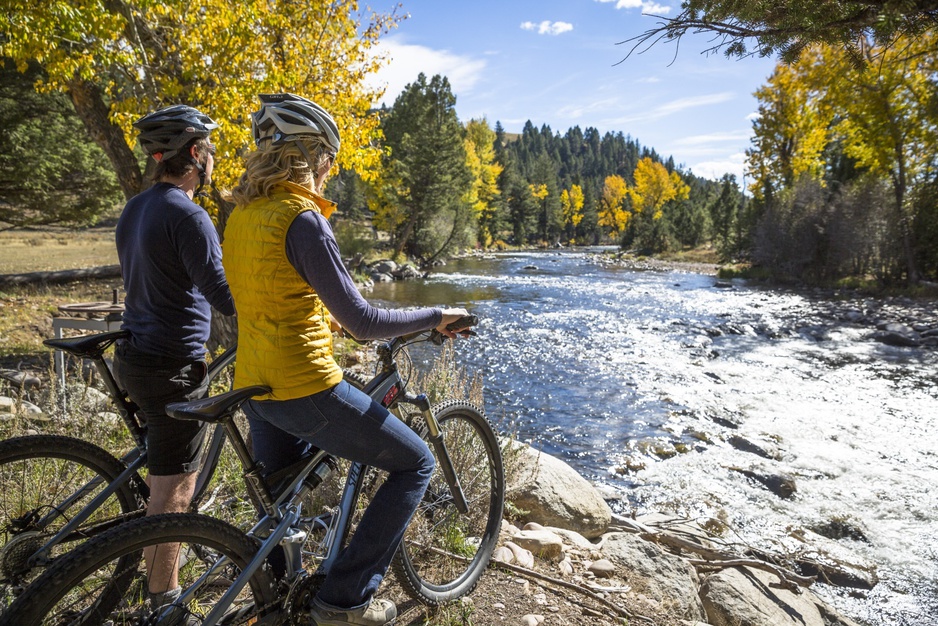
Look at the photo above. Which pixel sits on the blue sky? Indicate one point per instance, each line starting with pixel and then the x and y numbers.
pixel 558 63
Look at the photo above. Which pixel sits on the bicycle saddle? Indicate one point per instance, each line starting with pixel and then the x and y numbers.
pixel 214 408
pixel 87 346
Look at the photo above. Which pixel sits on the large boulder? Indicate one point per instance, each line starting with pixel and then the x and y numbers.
pixel 554 494
pixel 750 597
pixel 668 579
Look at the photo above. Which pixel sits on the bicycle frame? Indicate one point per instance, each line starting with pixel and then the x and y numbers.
pixel 280 515
pixel 134 460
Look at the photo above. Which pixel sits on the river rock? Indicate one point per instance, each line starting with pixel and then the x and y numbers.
pixel 603 568
pixel 523 557
pixel 380 277
pixel 542 543
pixel 781 485
pixel 853 316
pixel 686 528
pixel 384 266
pixel 503 554
pixel 566 567
pixel 830 560
pixel 748 597
pixel 898 339
pixel 554 494
pixel 668 579
pixel 24 380
pixel 572 537
pixel 406 271
pixel 765 449
pixel 11 405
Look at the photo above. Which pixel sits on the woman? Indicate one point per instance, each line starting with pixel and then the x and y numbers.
pixel 287 279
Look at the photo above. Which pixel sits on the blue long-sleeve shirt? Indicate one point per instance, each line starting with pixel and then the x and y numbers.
pixel 171 265
pixel 312 250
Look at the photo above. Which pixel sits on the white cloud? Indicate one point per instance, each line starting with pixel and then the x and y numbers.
pixel 753 116
pixel 732 163
pixel 670 108
pixel 407 61
pixel 547 27
pixel 713 138
pixel 649 80
pixel 647 6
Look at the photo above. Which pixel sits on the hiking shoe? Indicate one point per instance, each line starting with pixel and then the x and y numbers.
pixel 375 613
pixel 177 614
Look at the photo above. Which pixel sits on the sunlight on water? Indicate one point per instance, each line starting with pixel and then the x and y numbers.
pixel 641 381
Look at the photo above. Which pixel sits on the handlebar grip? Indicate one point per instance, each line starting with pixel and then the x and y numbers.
pixel 463 322
pixel 461 326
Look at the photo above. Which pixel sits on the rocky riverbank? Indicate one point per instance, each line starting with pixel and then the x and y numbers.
pixel 653 569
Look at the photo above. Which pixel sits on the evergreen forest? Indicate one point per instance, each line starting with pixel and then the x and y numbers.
pixel 842 178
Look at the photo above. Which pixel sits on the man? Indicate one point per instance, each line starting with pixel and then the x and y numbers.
pixel 171 266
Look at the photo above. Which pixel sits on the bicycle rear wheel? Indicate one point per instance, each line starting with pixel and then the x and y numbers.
pixel 45 480
pixel 444 552
pixel 104 580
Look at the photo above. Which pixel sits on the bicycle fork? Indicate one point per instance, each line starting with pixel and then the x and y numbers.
pixel 435 437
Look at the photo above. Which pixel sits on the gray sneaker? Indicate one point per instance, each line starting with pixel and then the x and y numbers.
pixel 177 614
pixel 375 613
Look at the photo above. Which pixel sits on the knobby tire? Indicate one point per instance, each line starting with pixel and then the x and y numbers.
pixel 37 474
pixel 93 584
pixel 444 553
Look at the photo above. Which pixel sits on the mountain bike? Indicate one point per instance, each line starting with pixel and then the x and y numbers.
pixel 56 491
pixel 269 574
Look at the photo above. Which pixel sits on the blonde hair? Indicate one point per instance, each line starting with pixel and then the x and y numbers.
pixel 268 165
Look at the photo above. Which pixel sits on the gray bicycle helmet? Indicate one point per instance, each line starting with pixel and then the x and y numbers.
pixel 165 132
pixel 284 117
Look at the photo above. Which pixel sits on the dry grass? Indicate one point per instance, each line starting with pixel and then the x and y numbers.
pixel 26 311
pixel 23 251
pixel 26 314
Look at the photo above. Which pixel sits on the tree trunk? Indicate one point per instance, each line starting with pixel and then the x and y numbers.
pixel 405 234
pixel 908 252
pixel 92 110
pixel 60 276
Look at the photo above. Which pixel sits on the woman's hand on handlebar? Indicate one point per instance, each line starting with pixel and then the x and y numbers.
pixel 450 316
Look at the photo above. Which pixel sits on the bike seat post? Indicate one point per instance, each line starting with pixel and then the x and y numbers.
pixel 124 407
pixel 253 470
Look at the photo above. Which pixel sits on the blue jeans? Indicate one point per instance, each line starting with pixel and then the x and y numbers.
pixel 347 423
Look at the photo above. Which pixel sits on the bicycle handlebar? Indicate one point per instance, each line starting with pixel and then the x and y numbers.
pixel 462 326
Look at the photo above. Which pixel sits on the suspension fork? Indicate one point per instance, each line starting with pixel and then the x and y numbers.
pixel 435 437
pixel 386 389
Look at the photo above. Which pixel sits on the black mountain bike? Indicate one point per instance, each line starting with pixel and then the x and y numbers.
pixel 57 491
pixel 269 574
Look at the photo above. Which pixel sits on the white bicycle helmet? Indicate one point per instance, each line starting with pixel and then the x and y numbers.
pixel 165 132
pixel 285 117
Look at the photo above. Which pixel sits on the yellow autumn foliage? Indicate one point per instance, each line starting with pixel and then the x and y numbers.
pixel 216 55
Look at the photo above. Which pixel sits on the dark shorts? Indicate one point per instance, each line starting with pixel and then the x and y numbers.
pixel 173 446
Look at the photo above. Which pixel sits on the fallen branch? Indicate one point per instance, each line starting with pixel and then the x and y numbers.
pixel 61 276
pixel 562 583
pixel 788 580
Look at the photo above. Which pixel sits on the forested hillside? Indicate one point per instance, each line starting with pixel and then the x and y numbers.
pixel 445 185
pixel 842 170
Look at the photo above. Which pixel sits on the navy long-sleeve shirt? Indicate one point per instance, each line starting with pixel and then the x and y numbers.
pixel 312 250
pixel 171 265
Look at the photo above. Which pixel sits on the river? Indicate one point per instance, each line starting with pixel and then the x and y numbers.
pixel 647 382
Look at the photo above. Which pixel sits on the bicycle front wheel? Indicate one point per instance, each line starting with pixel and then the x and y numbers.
pixel 103 581
pixel 444 552
pixel 45 480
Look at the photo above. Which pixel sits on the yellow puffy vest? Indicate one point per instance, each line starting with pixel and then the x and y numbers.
pixel 284 340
